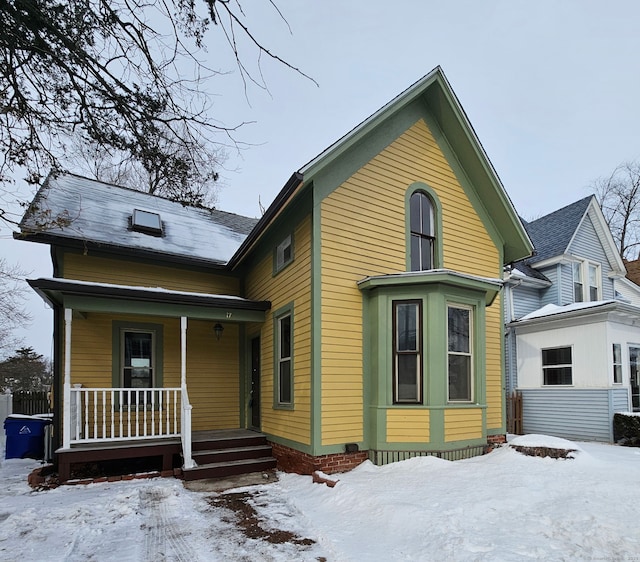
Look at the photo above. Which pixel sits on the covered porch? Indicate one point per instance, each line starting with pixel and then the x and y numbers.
pixel 113 401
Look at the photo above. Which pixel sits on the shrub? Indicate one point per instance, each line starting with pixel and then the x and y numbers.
pixel 626 429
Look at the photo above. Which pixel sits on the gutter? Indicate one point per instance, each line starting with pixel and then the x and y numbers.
pixel 289 189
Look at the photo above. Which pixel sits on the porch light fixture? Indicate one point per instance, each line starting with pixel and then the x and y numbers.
pixel 218 329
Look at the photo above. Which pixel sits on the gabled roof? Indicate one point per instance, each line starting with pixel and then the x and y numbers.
pixel 552 234
pixel 100 215
pixel 435 92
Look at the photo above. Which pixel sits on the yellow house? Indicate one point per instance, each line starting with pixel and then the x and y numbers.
pixel 360 317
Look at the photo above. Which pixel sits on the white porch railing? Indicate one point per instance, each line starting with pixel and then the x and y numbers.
pixel 115 414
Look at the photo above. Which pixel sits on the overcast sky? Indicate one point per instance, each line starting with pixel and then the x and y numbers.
pixel 551 87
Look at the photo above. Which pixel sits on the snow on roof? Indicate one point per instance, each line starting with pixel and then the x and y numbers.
pixel 74 282
pixel 550 309
pixel 101 213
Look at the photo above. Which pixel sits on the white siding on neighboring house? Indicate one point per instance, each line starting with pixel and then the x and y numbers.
pixel 629 291
pixel 590 359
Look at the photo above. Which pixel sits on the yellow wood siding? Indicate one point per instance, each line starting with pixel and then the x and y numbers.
pixel 122 272
pixel 364 233
pixel 494 365
pixel 291 285
pixel 462 423
pixel 408 426
pixel 212 366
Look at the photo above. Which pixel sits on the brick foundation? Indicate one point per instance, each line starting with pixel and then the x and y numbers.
pixel 291 460
pixel 493 440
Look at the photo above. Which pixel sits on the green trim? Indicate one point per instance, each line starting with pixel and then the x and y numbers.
pixel 431 99
pixel 117 326
pixel 437 217
pixel 327 179
pixel 378 357
pixel 286 310
pixel 316 327
pixel 149 308
pixel 287 263
pixel 447 278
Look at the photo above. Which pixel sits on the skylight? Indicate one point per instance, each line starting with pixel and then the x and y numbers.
pixel 147 222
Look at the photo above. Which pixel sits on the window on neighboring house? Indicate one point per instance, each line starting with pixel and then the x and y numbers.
pixel 407 351
pixel 460 353
pixel 617 363
pixel 285 370
pixel 284 253
pixel 422 228
pixel 594 285
pixel 557 366
pixel 577 282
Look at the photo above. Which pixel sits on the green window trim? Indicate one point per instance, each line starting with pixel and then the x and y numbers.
pixel 283 358
pixel 283 254
pixel 460 354
pixel 407 351
pixel 435 228
pixel 118 328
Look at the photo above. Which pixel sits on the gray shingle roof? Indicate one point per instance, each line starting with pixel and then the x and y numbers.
pixel 100 214
pixel 552 233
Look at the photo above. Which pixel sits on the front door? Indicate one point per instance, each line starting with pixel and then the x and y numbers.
pixel 254 397
pixel 634 377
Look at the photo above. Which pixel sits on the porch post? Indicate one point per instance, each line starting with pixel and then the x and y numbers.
pixel 66 404
pixel 185 426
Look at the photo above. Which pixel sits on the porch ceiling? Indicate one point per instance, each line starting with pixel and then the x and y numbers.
pixel 102 297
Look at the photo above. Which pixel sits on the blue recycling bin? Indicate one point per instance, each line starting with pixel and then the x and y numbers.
pixel 25 436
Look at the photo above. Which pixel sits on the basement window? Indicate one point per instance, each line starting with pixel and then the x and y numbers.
pixel 146 222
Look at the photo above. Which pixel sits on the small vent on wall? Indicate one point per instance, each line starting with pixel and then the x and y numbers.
pixel 146 222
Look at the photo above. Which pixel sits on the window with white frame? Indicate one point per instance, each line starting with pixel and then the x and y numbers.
pixel 407 351
pixel 578 285
pixel 285 370
pixel 460 353
pixel 617 363
pixel 557 366
pixel 594 281
pixel 586 281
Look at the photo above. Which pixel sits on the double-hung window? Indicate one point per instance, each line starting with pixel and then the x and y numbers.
pixel 407 351
pixel 557 366
pixel 421 221
pixel 617 363
pixel 577 282
pixel 460 353
pixel 285 371
pixel 137 363
pixel 586 281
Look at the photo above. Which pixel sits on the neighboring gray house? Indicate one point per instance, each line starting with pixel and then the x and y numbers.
pixel 573 327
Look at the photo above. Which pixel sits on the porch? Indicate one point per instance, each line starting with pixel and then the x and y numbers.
pixel 216 454
pixel 122 374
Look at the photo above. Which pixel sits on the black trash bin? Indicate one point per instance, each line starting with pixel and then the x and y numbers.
pixel 25 436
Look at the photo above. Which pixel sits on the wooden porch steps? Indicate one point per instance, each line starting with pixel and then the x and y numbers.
pixel 222 454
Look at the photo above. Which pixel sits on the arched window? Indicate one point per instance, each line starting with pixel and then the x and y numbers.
pixel 421 223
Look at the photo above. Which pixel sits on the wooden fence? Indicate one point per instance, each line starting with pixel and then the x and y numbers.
pixel 514 413
pixel 30 402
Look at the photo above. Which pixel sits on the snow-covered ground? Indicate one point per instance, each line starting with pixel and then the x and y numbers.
pixel 503 506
